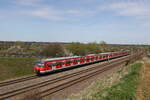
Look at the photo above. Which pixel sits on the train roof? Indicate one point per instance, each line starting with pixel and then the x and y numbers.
pixel 106 53
pixel 60 58
pixel 111 52
pixel 91 54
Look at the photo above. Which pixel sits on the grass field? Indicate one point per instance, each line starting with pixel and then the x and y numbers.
pixel 119 85
pixel 126 88
pixel 15 67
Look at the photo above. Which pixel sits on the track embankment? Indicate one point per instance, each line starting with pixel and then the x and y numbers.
pixel 143 91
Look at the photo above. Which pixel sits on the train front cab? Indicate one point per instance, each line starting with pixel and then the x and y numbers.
pixel 39 67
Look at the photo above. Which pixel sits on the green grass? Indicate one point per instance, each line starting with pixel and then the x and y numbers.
pixel 15 67
pixel 124 90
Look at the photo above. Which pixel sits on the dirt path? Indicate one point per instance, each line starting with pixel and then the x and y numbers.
pixel 143 91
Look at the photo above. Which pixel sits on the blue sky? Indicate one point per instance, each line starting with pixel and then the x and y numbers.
pixel 113 21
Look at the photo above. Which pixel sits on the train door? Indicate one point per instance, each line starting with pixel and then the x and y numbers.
pixel 58 64
pixel 48 65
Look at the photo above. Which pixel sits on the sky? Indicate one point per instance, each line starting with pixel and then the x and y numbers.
pixel 112 21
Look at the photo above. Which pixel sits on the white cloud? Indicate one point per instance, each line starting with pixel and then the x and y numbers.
pixel 146 23
pixel 76 12
pixel 80 12
pixel 38 8
pixel 129 8
pixel 57 15
pixel 27 2
pixel 45 14
pixel 137 10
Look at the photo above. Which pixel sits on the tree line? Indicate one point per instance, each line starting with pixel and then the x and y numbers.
pixel 61 50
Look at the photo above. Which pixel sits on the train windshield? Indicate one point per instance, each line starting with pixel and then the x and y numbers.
pixel 39 64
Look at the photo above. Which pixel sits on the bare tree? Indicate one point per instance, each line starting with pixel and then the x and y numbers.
pixel 53 50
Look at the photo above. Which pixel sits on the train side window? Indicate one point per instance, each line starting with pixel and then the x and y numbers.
pixel 68 62
pixel 87 58
pixel 100 57
pixel 58 63
pixel 50 64
pixel 75 60
pixel 62 63
pixel 78 60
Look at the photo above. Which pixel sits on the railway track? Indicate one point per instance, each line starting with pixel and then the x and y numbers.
pixel 67 78
pixel 6 83
pixel 75 81
pixel 18 80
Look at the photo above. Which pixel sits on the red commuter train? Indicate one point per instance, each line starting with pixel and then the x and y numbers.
pixel 52 64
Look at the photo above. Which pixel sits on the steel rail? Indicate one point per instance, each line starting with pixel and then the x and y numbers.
pixel 17 80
